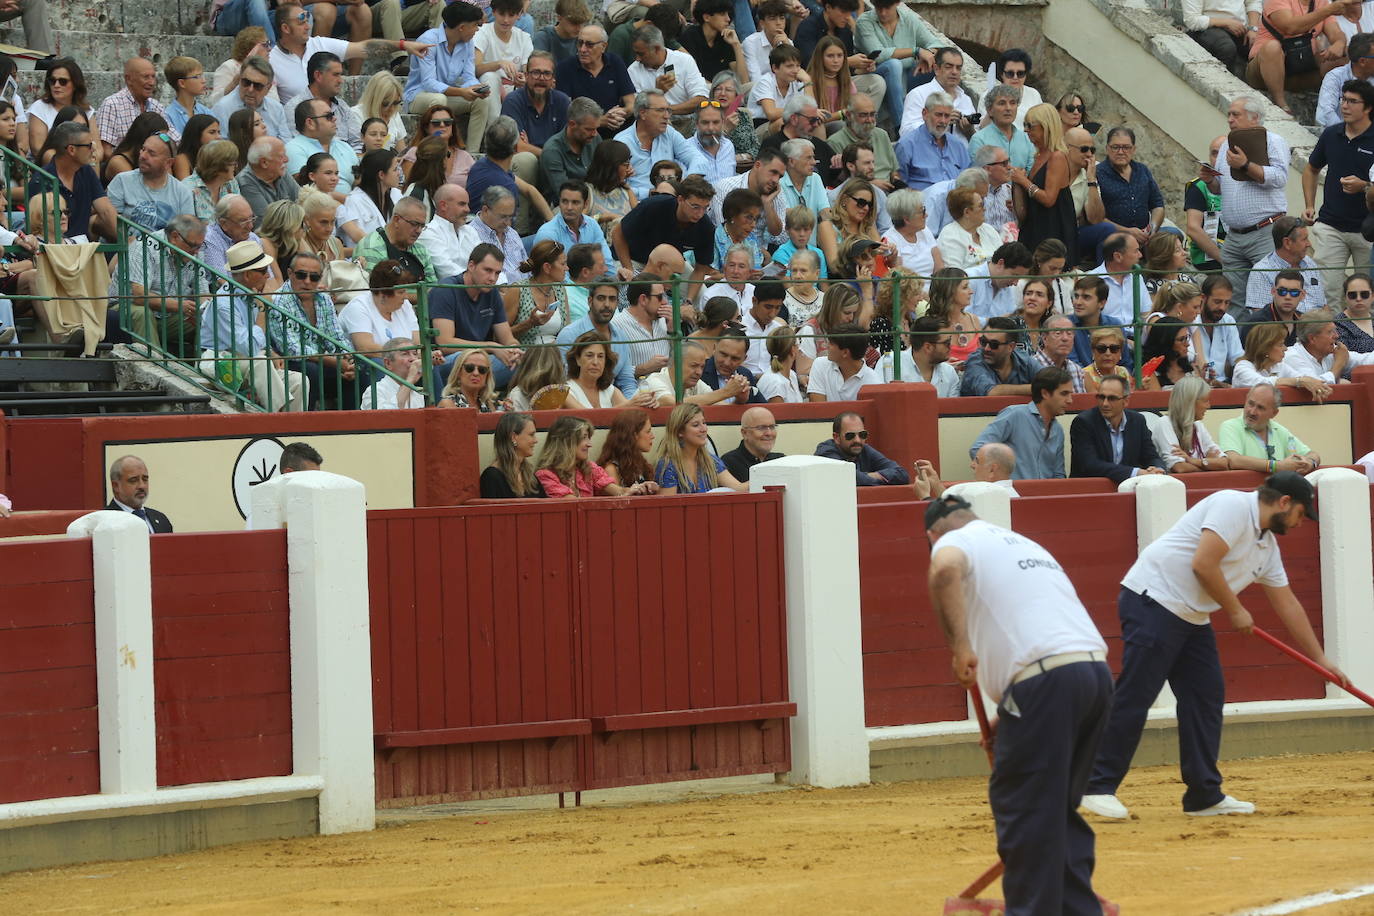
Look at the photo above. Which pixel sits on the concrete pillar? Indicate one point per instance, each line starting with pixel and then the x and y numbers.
pixel 331 663
pixel 1347 584
pixel 1160 500
pixel 824 648
pixel 990 502
pixel 123 649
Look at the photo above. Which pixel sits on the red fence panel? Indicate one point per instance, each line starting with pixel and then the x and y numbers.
pixel 505 634
pixel 221 642
pixel 684 645
pixel 49 732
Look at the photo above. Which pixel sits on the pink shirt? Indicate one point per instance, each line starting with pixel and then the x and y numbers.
pixel 1297 8
pixel 557 489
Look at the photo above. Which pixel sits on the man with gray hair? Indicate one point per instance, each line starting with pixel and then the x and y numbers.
pixel 396 240
pixel 516 172
pixel 800 116
pixel 167 288
pixel 568 153
pixel 254 86
pixel 673 73
pixel 802 187
pixel 598 75
pixel 860 126
pixel 1249 207
pixel 937 214
pixel 650 140
pixel 709 140
pixel 949 72
pixel 1319 352
pixel 932 152
pixel 440 235
pixel 1002 102
pixel 233 223
pixel 998 211
pixel 1255 441
pixel 493 226
pixel 264 181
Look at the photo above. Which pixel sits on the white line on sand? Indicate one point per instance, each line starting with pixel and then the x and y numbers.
pixel 1310 902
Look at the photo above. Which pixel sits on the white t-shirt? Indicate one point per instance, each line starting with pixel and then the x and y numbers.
pixel 917 256
pixel 360 316
pixel 776 385
pixel 1021 606
pixel 757 361
pixel 944 378
pixel 358 206
pixel 45 112
pixel 289 70
pixel 689 82
pixel 388 390
pixel 827 380
pixel 766 87
pixel 1165 568
pixel 661 384
pixel 916 102
pixel 494 49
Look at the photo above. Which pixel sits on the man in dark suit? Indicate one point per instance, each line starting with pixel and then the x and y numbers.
pixel 727 362
pixel 129 485
pixel 1112 441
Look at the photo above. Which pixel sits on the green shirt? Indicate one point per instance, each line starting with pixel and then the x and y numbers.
pixel 1237 437
pixel 911 32
pixel 884 157
pixel 372 250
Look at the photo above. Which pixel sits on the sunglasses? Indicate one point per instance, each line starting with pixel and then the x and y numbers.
pixel 328 116
pixel 865 202
pixel 1358 294
pixel 474 367
pixel 1074 109
pixel 813 120
pixel 253 84
pixel 1289 292
pixel 1014 74
pixel 709 103
pixel 587 44
pixel 441 122
pixel 1107 348
pixel 59 81
pixel 1087 149
pixel 311 275
pixel 302 17
pixel 861 435
pixel 993 344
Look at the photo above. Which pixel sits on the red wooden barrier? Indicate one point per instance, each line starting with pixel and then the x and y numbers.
pixel 221 642
pixel 514 653
pixel 49 734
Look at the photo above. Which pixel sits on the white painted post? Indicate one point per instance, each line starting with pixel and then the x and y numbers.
pixel 123 649
pixel 1347 584
pixel 990 502
pixel 331 662
pixel 1160 500
pixel 824 647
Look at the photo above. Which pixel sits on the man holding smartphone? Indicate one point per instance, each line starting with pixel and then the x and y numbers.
pixel 448 75
pixel 673 73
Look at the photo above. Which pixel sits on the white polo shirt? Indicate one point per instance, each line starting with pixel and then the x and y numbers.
pixel 1165 568
pixel 289 69
pixel 827 380
pixel 1020 605
pixel 758 360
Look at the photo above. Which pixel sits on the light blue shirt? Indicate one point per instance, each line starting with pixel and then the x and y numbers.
pixel 1224 348
pixel 178 116
pixel 1019 147
pixel 589 233
pixel 442 67
pixel 1038 456
pixel 721 163
pixel 273 114
pixel 624 364
pixel 987 301
pixel 812 194
pixel 226 323
pixel 668 145
pixel 922 162
pixel 300 148
pixel 149 207
pixel 937 214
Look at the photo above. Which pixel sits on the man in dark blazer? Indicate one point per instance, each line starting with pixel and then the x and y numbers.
pixel 129 485
pixel 1112 441
pixel 727 362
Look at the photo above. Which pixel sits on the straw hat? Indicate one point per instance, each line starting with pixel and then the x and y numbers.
pixel 246 255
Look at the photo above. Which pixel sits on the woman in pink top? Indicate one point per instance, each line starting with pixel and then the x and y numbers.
pixel 1290 18
pixel 566 471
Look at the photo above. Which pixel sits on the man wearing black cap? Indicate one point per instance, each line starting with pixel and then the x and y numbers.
pixel 1220 546
pixel 1017 628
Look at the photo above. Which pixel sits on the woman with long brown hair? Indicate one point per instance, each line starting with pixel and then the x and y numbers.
pixel 510 475
pixel 437 121
pixel 567 472
pixel 629 439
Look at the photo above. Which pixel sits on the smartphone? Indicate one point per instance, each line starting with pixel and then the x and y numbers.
pixel 667 68
pixel 1208 167
pixel 483 89
pixel 873 55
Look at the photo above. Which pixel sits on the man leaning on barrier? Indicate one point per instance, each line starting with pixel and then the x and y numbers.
pixel 167 288
pixel 322 358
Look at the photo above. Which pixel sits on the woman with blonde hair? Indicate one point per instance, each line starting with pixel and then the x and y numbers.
pixel 1188 402
pixel 912 292
pixel 1108 345
pixel 684 462
pixel 1044 204
pixel 381 99
pixel 1183 300
pixel 854 216
pixel 318 233
pixel 780 385
pixel 216 165
pixel 565 469
pixel 591 369
pixel 283 230
pixel 509 476
pixel 540 382
pixel 471 383
pixel 539 310
pixel 839 305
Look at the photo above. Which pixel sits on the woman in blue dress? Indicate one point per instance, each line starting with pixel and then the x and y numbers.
pixel 684 462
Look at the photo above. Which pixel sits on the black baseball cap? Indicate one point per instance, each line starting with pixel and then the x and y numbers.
pixel 947 505
pixel 859 246
pixel 1290 484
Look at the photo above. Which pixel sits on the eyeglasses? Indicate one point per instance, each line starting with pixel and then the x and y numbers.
pixel 311 275
pixel 999 162
pixel 1283 291
pixel 1107 348
pixel 764 428
pixel 993 344
pixel 1110 398
pixel 87 145
pixel 658 109
pixel 252 84
pixel 865 202
pixel 1074 109
pixel 471 368
pixel 59 81
pixel 861 435
pixel 414 223
pixel 1087 149
pixel 1121 147
pixel 1359 294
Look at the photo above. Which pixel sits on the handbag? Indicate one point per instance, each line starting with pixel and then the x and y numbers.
pixel 1298 56
pixel 344 278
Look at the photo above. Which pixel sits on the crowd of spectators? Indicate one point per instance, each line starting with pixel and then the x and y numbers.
pixel 838 210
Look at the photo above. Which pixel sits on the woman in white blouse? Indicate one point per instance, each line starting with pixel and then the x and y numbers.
pixel 968 241
pixel 1181 439
pixel 916 246
pixel 591 368
pixel 368 206
pixel 1265 347
pixel 779 385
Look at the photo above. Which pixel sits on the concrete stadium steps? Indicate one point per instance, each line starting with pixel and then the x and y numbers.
pixel 97 51
pixel 132 17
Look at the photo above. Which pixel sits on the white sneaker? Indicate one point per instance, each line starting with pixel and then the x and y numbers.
pixel 1106 806
pixel 1227 805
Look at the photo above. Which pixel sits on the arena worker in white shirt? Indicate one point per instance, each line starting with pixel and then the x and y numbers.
pixel 1017 629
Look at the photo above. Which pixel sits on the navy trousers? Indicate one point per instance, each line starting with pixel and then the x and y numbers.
pixel 1160 647
pixel 1047 736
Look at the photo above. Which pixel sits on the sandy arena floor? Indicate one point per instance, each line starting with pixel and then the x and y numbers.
pixel 884 849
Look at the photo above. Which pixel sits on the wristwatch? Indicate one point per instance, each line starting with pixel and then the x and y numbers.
pixel 1252 28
